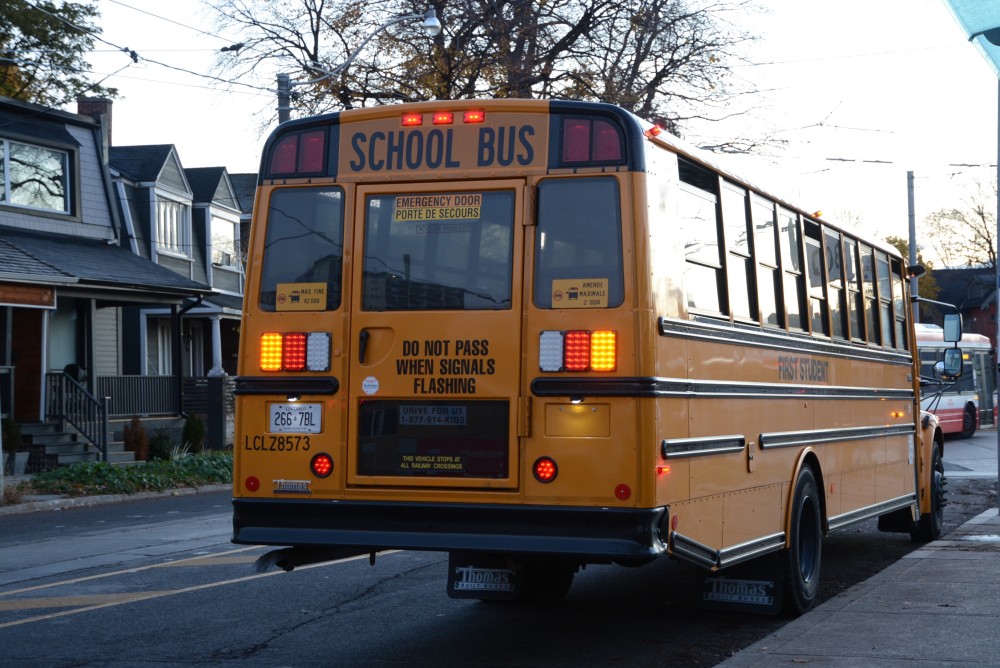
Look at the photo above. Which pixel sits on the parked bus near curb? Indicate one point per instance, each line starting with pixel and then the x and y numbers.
pixel 960 404
pixel 536 335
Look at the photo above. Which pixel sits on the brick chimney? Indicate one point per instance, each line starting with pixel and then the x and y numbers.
pixel 99 108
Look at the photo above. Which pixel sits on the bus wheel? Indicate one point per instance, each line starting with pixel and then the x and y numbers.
pixel 931 525
pixel 547 580
pixel 802 559
pixel 968 422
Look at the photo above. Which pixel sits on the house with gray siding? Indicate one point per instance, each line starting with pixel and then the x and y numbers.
pixel 70 273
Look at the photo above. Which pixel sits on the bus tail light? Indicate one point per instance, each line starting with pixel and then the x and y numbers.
pixel 321 465
pixel 545 469
pixel 295 351
pixel 578 350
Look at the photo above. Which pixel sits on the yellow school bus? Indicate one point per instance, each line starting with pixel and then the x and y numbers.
pixel 540 334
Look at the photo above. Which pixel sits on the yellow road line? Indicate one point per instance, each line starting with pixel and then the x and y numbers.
pixel 124 571
pixel 122 599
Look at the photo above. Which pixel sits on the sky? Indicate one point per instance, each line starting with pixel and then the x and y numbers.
pixel 859 92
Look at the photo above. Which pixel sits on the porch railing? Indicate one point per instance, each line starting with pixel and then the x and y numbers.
pixel 69 401
pixel 139 395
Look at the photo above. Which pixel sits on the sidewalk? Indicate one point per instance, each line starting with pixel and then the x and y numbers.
pixel 937 606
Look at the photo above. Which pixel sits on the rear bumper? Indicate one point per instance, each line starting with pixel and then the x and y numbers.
pixel 589 533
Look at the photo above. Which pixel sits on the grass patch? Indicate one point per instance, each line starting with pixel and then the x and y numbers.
pixel 210 468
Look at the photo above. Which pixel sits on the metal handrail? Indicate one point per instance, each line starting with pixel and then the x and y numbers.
pixel 70 402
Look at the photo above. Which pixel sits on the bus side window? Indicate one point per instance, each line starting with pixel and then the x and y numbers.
pixel 835 284
pixel 868 294
pixel 703 268
pixel 739 263
pixel 700 234
pixel 884 297
pixel 817 286
pixel 768 276
pixel 899 306
pixel 852 278
pixel 791 266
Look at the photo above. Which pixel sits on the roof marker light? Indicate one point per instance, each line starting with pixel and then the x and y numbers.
pixel 476 116
pixel 443 118
pixel 412 119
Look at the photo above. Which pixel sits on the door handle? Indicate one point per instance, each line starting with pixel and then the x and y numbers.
pixel 362 345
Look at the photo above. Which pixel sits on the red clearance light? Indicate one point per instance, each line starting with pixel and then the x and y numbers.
pixel 412 119
pixel 653 131
pixel 477 116
pixel 545 469
pixel 443 118
pixel 663 469
pixel 321 465
pixel 293 353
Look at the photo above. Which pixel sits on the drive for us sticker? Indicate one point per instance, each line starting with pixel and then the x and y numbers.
pixel 301 297
pixel 369 385
pixel 580 293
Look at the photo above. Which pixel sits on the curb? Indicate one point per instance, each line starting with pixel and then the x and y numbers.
pixel 42 503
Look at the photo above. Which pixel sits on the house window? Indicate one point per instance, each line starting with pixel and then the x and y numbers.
pixel 225 251
pixel 172 225
pixel 34 177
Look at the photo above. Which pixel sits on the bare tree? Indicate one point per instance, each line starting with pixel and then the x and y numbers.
pixel 966 236
pixel 666 60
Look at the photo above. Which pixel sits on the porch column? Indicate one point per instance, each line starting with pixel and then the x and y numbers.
pixel 216 369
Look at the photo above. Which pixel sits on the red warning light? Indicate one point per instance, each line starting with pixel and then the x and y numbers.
pixel 545 469
pixel 321 465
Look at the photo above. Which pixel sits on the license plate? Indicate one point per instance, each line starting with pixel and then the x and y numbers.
pixel 296 418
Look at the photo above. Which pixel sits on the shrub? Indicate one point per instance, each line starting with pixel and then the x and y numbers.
pixel 136 439
pixel 160 445
pixel 105 478
pixel 194 434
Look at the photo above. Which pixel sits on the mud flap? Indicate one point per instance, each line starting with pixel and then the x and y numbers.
pixel 483 576
pixel 754 586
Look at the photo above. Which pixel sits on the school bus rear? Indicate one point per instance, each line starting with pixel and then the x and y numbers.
pixel 440 340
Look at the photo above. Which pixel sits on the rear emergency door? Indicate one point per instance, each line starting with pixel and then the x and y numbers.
pixel 435 337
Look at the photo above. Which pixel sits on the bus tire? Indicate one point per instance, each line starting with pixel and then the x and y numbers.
pixel 804 553
pixel 969 422
pixel 931 525
pixel 547 580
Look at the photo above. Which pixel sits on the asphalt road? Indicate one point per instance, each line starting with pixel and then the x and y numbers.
pixel 161 585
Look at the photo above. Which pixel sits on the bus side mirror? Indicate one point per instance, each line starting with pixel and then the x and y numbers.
pixel 953 327
pixel 951 367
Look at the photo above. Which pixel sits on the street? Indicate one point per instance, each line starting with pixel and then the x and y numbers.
pixel 157 582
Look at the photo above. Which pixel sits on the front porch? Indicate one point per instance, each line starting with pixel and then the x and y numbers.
pixel 83 426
